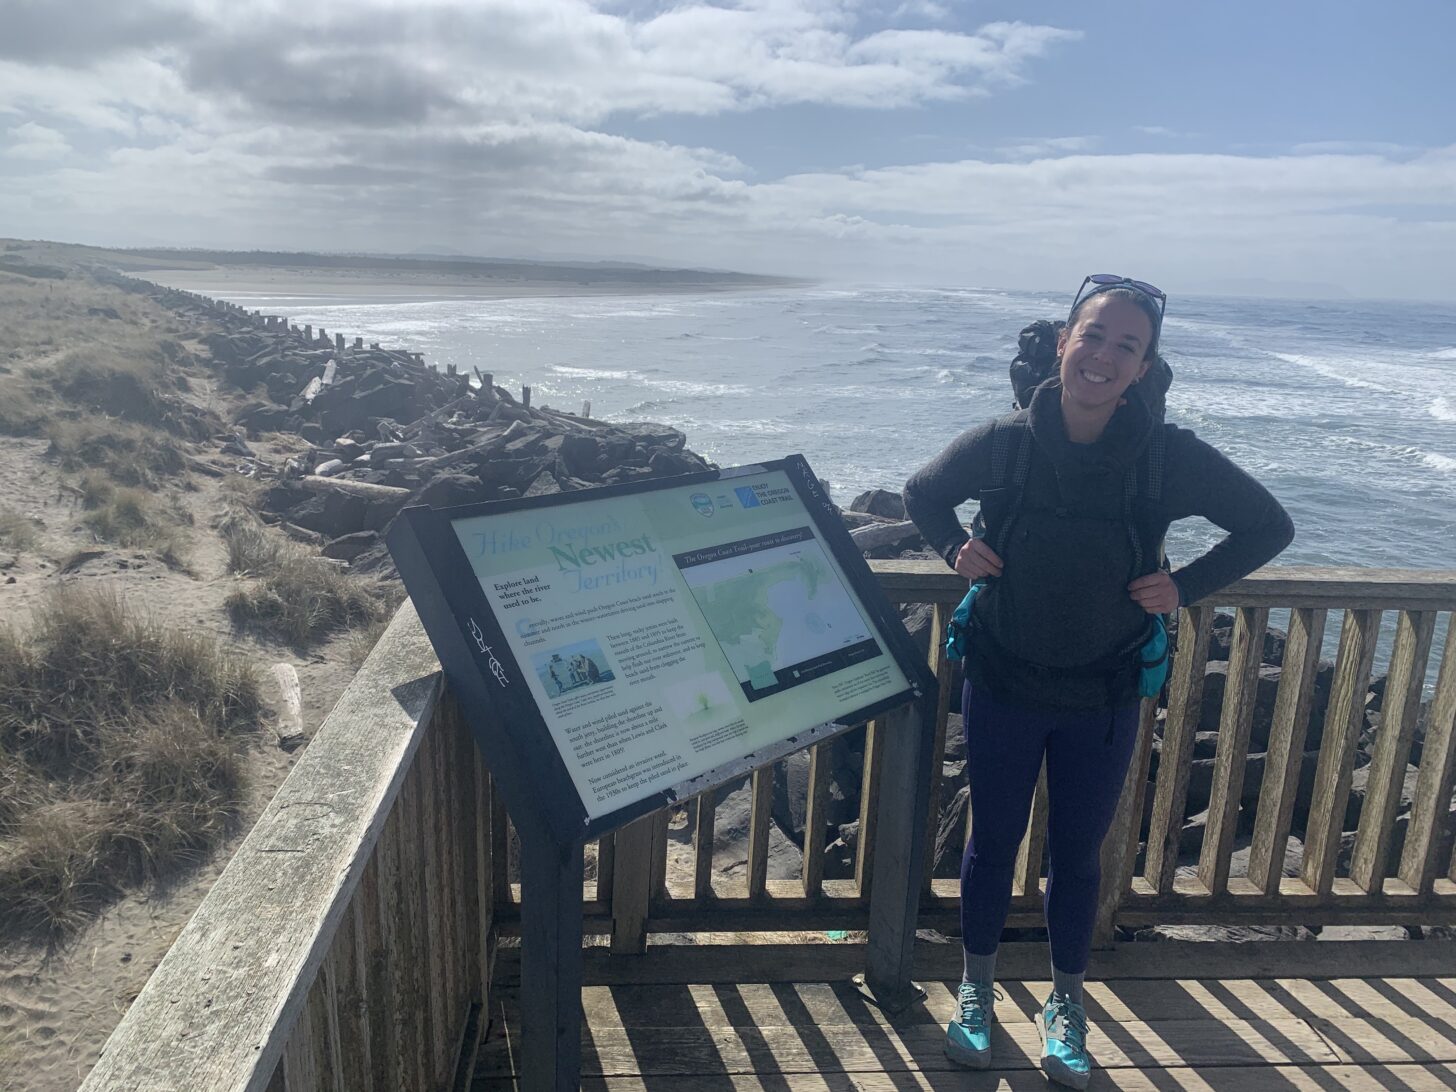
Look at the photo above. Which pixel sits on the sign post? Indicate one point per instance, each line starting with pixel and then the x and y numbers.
pixel 617 650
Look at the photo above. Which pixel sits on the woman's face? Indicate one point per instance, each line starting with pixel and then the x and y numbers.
pixel 1102 352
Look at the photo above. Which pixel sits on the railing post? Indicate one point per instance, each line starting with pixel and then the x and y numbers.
pixel 1369 864
pixel 1343 721
pixel 899 856
pixel 1119 848
pixel 940 667
pixel 1284 759
pixel 1185 698
pixel 551 965
pixel 632 885
pixel 1235 725
pixel 1428 833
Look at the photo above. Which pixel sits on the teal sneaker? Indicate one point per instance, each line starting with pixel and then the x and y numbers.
pixel 1063 1028
pixel 968 1036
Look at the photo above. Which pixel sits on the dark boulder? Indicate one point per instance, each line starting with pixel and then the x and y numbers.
pixel 450 487
pixel 652 435
pixel 880 502
pixel 262 417
pixel 331 514
pixel 1215 681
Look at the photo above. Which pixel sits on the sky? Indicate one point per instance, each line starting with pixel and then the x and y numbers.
pixel 1288 146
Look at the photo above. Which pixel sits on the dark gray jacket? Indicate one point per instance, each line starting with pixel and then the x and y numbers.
pixel 1061 608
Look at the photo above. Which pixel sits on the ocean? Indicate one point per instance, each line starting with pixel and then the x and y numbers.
pixel 1345 410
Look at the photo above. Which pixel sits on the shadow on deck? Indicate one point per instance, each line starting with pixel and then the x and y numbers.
pixel 1297 1015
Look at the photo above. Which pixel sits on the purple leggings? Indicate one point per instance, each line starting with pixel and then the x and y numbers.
pixel 1085 771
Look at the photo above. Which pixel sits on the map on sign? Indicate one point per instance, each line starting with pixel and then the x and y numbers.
pixel 779 612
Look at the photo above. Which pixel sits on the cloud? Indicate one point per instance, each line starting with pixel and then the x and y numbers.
pixel 1047 147
pixel 514 126
pixel 1352 147
pixel 79 32
pixel 1160 131
pixel 32 141
pixel 921 9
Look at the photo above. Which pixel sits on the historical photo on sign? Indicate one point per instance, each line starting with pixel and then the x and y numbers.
pixel 572 667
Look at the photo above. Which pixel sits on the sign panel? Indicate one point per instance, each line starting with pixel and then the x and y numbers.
pixel 675 629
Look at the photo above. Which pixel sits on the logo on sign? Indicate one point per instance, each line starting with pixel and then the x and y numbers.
pixel 746 496
pixel 703 504
pixel 496 667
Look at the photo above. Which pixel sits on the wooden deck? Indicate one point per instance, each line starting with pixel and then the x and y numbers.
pixel 1265 1016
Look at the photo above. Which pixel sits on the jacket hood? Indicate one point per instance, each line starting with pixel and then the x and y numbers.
pixel 1116 449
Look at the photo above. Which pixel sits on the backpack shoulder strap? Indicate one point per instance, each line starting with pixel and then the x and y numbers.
pixel 1153 457
pixel 1006 445
pixel 1010 449
pixel 1144 478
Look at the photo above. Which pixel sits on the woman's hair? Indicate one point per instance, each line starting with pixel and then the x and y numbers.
pixel 1141 300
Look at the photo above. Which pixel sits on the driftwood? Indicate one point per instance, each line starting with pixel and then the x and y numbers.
pixel 290 707
pixel 885 534
pixel 375 494
pixel 302 534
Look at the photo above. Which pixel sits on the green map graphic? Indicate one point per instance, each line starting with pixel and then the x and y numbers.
pixel 777 611
pixel 738 608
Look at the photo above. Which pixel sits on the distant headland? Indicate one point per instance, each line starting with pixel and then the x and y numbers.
pixel 269 272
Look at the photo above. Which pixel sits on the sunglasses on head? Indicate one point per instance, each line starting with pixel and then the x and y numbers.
pixel 1100 281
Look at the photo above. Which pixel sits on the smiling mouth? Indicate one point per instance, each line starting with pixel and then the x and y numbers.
pixel 1093 377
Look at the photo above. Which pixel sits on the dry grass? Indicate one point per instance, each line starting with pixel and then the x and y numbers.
pixel 21 414
pixel 291 593
pixel 118 755
pixel 127 453
pixel 77 345
pixel 38 318
pixel 131 518
pixel 363 641
pixel 17 532
pixel 302 598
pixel 252 548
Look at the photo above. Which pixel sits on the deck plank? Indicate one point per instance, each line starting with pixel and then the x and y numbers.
pixel 1293 1017
pixel 825 1003
pixel 656 1052
pixel 1171 960
pixel 1249 1021
pixel 1408 1078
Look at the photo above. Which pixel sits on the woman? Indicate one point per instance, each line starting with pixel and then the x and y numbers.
pixel 1055 634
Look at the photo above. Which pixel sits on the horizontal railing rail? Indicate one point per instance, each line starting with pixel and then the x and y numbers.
pixel 349 943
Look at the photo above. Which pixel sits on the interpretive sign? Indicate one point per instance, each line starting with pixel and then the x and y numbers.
pixel 636 644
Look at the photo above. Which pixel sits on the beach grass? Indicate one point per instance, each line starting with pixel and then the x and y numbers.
pixel 78 347
pixel 131 517
pixel 21 414
pixel 251 547
pixel 303 598
pixel 290 593
pixel 17 532
pixel 127 453
pixel 119 754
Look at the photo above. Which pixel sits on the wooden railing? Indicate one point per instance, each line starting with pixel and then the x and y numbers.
pixel 348 945
pixel 1142 883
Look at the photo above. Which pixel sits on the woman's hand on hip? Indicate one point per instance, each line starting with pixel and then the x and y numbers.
pixel 976 560
pixel 1156 593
